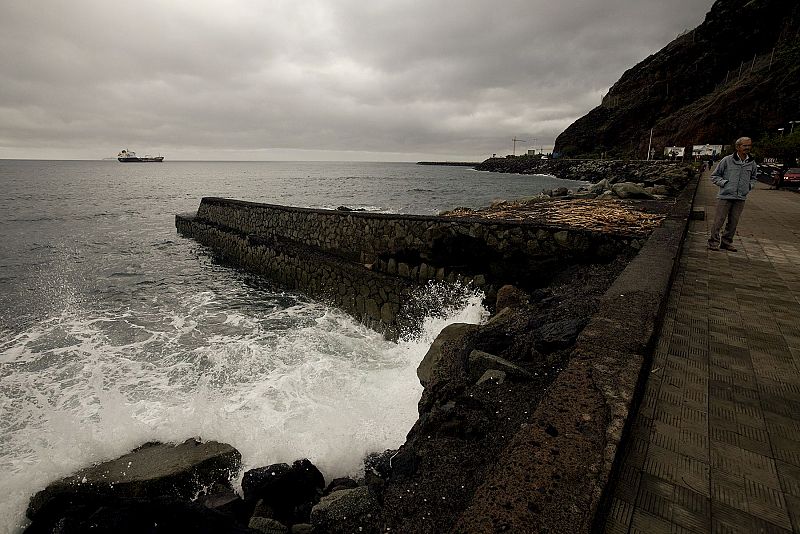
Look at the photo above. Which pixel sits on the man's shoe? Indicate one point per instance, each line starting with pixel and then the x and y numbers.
pixel 713 247
pixel 729 248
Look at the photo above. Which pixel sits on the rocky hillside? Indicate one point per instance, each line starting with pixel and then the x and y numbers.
pixel 737 73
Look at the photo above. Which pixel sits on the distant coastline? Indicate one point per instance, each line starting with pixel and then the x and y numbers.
pixel 451 163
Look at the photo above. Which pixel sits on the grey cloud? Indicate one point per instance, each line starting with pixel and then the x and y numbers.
pixel 447 78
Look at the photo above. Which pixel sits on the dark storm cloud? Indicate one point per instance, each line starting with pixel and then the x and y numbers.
pixel 228 79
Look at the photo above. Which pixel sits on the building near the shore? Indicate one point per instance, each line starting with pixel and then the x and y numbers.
pixel 706 150
pixel 674 151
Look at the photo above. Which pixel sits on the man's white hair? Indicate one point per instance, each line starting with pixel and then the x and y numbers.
pixel 741 140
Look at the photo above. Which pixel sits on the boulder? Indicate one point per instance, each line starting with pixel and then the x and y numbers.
pixel 134 516
pixel 342 483
pixel 222 498
pixel 558 335
pixel 480 362
pixel 510 296
pixel 630 190
pixel 600 186
pixel 493 375
pixel 289 490
pixel 266 525
pixel 450 334
pixel 152 471
pixel 351 510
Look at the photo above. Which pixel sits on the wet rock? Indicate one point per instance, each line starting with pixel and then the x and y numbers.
pixel 151 471
pixel 289 490
pixel 134 516
pixel 450 334
pixel 558 335
pixel 352 510
pixel 510 296
pixel 480 362
pixel 342 483
pixel 379 463
pixel 345 208
pixel 493 375
pixel 404 462
pixel 266 525
pixel 221 498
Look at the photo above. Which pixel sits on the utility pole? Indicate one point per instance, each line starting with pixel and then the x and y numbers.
pixel 649 144
pixel 515 140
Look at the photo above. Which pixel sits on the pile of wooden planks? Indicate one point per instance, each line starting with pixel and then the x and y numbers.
pixel 603 216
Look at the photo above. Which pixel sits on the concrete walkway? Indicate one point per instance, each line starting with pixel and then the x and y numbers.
pixel 715 445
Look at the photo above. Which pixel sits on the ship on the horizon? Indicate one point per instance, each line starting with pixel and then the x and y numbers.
pixel 128 156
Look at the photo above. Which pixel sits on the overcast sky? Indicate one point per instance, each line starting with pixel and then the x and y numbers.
pixel 380 80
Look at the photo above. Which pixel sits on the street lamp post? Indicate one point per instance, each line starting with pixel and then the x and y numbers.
pixel 781 130
pixel 791 130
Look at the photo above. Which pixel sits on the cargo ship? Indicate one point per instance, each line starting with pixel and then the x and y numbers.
pixel 128 156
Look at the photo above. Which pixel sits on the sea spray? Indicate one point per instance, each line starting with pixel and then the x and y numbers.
pixel 278 382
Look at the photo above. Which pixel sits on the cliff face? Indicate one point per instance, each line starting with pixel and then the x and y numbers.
pixel 737 73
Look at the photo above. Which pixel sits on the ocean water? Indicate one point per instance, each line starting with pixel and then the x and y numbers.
pixel 114 330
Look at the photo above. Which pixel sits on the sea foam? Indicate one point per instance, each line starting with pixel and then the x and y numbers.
pixel 283 383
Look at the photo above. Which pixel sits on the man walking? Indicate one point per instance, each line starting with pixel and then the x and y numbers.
pixel 735 176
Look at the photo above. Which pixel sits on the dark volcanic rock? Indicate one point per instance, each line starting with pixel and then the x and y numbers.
pixel 465 426
pixel 289 490
pixel 350 510
pixel 153 471
pixel 134 516
pixel 509 296
pixel 340 483
pixel 453 335
pixel 559 335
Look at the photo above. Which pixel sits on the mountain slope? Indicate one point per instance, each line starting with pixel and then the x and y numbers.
pixel 737 73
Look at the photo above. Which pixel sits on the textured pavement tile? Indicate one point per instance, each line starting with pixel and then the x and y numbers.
pixel 726 519
pixel 729 489
pixel 691 510
pixel 786 450
pixel 628 481
pixel 644 522
pixel 789 476
pixel 767 504
pixel 619 517
pixel 793 506
pixel 694 474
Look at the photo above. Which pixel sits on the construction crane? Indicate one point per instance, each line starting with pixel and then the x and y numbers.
pixel 515 140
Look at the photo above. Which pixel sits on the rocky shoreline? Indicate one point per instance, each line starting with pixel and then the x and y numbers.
pixel 670 177
pixel 519 425
pixel 482 383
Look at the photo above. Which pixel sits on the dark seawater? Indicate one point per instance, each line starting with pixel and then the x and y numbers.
pixel 114 330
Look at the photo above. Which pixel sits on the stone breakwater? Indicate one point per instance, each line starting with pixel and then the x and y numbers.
pixel 370 264
pixel 672 176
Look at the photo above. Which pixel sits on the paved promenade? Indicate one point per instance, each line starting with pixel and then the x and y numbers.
pixel 715 445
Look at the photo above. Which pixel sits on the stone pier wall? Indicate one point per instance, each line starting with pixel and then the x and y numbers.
pixel 368 264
